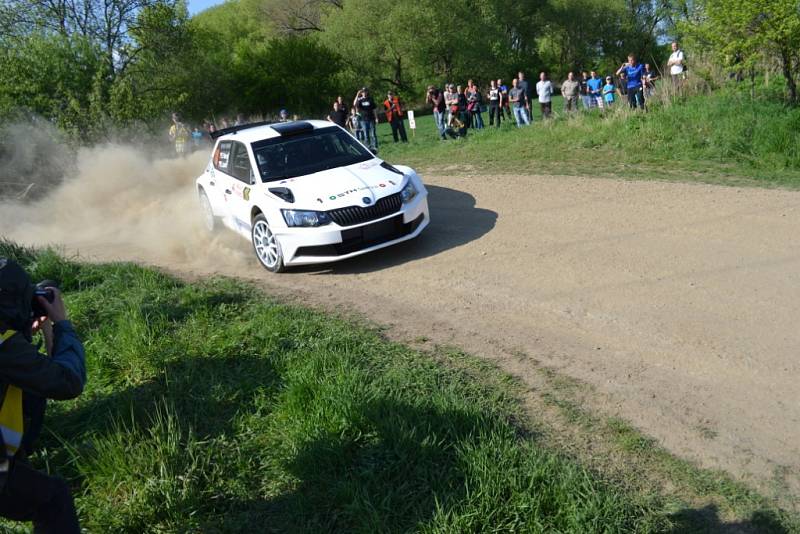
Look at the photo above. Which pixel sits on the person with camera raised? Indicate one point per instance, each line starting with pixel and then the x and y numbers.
pixel 435 97
pixel 27 378
pixel 369 117
pixel 633 71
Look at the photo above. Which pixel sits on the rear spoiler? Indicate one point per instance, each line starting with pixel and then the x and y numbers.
pixel 285 129
pixel 234 129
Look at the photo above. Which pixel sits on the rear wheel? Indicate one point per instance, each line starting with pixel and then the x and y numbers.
pixel 266 246
pixel 209 220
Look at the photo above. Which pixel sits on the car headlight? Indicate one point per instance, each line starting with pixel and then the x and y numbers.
pixel 305 218
pixel 408 192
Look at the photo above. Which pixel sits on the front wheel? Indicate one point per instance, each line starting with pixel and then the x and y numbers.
pixel 266 246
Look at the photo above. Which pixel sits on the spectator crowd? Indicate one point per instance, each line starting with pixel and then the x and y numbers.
pixel 459 108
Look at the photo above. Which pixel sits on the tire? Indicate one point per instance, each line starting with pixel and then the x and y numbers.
pixel 266 245
pixel 209 220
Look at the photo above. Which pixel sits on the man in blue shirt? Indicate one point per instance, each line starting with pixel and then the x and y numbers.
pixel 595 89
pixel 633 74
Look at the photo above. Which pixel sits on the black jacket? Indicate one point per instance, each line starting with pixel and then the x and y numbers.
pixel 60 377
pixel 41 377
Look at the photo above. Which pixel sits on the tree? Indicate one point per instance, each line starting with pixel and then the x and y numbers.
pixel 291 17
pixel 406 44
pixel 167 70
pixel 81 63
pixel 741 31
pixel 54 76
pixel 105 23
pixel 294 72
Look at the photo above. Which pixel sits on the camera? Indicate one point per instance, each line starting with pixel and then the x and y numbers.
pixel 42 289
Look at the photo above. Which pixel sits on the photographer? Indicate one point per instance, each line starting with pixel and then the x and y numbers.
pixel 633 72
pixel 435 98
pixel 27 378
pixel 369 117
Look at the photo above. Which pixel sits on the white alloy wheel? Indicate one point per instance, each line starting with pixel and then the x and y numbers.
pixel 208 214
pixel 266 246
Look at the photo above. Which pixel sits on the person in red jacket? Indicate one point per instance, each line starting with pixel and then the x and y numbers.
pixel 394 114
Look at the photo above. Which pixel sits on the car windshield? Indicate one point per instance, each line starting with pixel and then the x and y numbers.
pixel 306 153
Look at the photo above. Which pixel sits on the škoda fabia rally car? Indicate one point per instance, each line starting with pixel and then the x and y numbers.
pixel 308 192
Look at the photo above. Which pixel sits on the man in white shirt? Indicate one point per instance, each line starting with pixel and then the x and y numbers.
pixel 545 91
pixel 676 63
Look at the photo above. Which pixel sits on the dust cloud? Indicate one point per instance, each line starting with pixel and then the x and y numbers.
pixel 33 158
pixel 120 203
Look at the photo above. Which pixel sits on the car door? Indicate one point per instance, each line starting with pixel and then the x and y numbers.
pixel 241 185
pixel 220 180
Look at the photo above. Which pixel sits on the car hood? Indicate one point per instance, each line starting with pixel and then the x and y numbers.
pixel 360 184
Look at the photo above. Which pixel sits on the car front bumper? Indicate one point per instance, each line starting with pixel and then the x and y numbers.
pixel 304 246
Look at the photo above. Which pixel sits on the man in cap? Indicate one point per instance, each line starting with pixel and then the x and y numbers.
pixel 26 379
pixel 369 117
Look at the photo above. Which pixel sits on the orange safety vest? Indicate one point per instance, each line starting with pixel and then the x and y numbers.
pixel 388 105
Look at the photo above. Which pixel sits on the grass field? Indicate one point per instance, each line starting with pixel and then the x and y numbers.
pixel 210 408
pixel 725 137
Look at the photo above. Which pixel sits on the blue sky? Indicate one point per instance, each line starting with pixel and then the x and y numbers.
pixel 196 6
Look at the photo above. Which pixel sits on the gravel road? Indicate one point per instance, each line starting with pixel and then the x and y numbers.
pixel 677 304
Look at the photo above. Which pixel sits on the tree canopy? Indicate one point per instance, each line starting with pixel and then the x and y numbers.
pixel 91 66
pixel 742 32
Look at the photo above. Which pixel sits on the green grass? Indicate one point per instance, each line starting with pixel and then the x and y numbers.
pixel 211 408
pixel 724 137
pixel 699 500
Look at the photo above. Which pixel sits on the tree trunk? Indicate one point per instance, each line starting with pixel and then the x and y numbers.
pixel 788 73
pixel 447 63
pixel 398 72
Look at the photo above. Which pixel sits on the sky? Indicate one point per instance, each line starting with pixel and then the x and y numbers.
pixel 195 6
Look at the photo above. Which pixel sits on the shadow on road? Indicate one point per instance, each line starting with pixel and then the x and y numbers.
pixel 707 519
pixel 455 221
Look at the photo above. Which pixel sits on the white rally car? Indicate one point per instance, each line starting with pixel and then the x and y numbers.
pixel 308 192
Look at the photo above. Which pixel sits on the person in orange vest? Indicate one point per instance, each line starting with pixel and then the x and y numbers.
pixel 394 114
pixel 27 378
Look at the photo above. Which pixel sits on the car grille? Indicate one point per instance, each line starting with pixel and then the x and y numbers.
pixel 356 214
pixel 363 237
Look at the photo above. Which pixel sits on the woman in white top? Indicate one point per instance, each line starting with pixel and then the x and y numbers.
pixel 451 101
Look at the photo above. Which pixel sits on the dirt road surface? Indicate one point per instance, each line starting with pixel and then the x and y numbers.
pixel 678 304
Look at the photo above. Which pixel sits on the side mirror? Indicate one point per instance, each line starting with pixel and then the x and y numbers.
pixel 252 178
